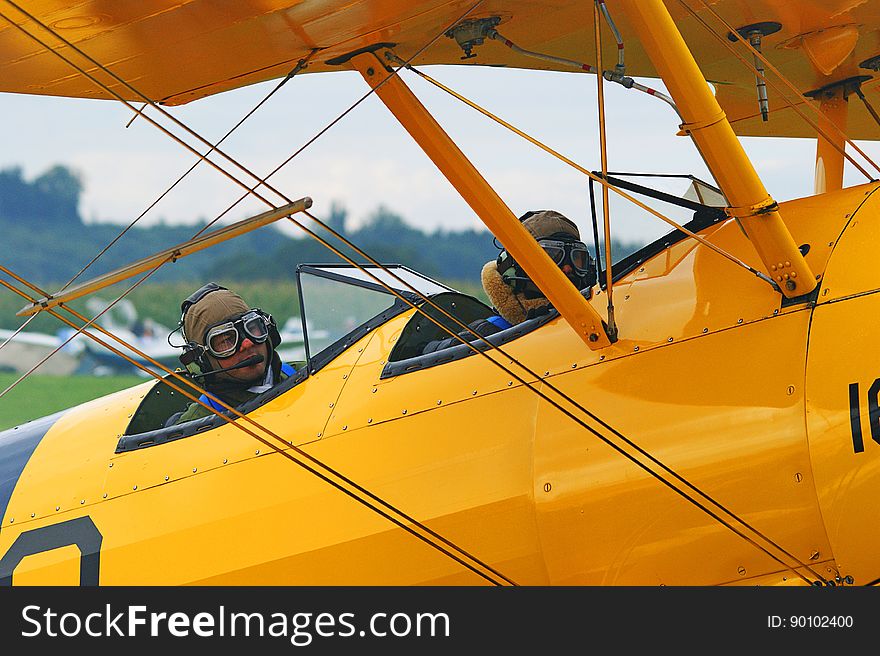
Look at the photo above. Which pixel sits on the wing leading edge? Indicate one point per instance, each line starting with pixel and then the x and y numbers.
pixel 176 52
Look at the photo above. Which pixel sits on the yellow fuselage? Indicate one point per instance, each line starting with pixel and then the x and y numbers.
pixel 759 404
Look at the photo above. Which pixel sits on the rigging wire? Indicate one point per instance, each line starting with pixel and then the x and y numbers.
pixel 603 156
pixel 17 331
pixel 136 350
pixel 595 222
pixel 663 480
pixel 69 338
pixel 138 113
pixel 868 106
pixel 595 177
pixel 727 44
pixel 327 477
pixel 302 64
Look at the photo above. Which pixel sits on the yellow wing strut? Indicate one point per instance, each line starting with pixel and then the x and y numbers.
pixel 173 253
pixel 482 198
pixel 707 124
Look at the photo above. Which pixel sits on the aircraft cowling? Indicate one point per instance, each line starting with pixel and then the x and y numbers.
pixel 843 381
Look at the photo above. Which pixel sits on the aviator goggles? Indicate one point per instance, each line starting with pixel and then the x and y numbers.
pixel 562 251
pixel 223 340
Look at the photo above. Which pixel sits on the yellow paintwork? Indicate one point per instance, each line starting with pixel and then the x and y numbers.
pixel 56 567
pixel 229 45
pixel 841 353
pixel 746 399
pixel 539 470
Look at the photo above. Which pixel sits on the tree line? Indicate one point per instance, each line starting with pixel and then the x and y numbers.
pixel 45 240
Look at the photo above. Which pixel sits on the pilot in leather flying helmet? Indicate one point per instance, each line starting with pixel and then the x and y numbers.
pixel 229 347
pixel 514 295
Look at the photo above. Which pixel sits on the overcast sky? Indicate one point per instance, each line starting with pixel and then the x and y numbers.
pixel 367 160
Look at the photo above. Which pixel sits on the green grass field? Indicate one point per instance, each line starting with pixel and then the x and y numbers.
pixel 38 396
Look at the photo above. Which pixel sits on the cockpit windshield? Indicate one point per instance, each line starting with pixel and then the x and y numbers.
pixel 340 303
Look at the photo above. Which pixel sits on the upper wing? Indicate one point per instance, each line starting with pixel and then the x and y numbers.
pixel 178 51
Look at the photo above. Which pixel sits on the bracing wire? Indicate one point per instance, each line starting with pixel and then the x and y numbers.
pixel 490 358
pixel 321 470
pixel 594 177
pixel 17 332
pixel 726 43
pixel 299 67
pixel 603 157
pixel 203 157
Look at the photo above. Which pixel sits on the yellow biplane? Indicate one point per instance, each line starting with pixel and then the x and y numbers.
pixel 697 417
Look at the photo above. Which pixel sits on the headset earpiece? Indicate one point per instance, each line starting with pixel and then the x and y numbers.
pixel 504 263
pixel 193 359
pixel 194 356
pixel 509 271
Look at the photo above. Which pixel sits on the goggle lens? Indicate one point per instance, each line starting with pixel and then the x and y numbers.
pixel 255 327
pixel 556 253
pixel 223 343
pixel 579 259
pixel 577 253
pixel 224 340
